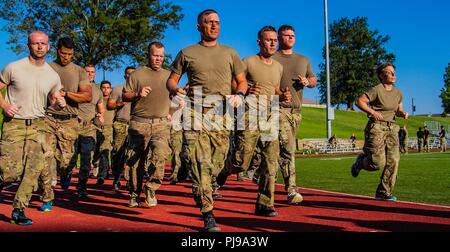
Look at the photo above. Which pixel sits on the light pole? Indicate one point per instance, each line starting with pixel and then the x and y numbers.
pixel 330 111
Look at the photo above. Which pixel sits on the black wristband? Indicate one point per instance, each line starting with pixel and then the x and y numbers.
pixel 240 93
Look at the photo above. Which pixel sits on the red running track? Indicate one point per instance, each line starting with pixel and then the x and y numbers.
pixel 107 211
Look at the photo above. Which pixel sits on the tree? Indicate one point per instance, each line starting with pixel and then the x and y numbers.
pixel 107 33
pixel 355 52
pixel 445 91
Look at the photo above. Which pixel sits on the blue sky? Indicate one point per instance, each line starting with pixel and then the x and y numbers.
pixel 419 32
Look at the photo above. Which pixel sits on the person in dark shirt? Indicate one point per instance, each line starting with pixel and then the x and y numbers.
pixel 420 136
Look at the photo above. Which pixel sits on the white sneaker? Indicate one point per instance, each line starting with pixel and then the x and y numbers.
pixel 150 198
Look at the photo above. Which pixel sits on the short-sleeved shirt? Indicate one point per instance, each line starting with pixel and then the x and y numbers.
pixel 384 101
pixel 123 113
pixel 442 133
pixel 88 110
pixel 294 65
pixel 419 134
pixel 28 87
pixel 268 76
pixel 426 133
pixel 211 68
pixel 156 104
pixel 72 77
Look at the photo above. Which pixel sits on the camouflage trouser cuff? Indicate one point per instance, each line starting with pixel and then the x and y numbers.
pixel 207 209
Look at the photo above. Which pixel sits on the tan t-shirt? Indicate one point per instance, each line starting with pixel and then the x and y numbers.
pixel 109 114
pixel 72 77
pixel 88 110
pixel 268 76
pixel 211 68
pixel 123 113
pixel 384 102
pixel 28 87
pixel 293 66
pixel 157 102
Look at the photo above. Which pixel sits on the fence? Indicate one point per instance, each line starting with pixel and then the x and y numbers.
pixel 321 146
pixel 434 143
pixel 435 127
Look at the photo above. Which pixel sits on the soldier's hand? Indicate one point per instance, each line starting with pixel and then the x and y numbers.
pixel 145 91
pixel 286 95
pixel 62 93
pixel 181 92
pixel 11 109
pixel 255 89
pixel 179 97
pixel 100 117
pixel 187 89
pixel 178 101
pixel 405 115
pixel 61 102
pixel 378 116
pixel 303 80
pixel 235 100
pixel 121 104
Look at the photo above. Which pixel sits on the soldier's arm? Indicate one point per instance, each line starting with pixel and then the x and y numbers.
pixel 312 82
pixel 10 109
pixel 56 100
pixel 233 86
pixel 241 83
pixel 114 104
pixel 101 108
pixel 3 103
pixel 131 95
pixel 362 103
pixel 400 112
pixel 172 85
pixel 83 95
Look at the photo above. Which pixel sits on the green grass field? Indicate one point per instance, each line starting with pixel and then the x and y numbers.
pixel 422 177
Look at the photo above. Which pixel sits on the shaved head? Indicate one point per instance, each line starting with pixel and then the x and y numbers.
pixel 37 34
pixel 38 45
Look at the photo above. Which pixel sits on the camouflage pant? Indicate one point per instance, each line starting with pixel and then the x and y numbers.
pixel 148 148
pixel 176 144
pixel 103 150
pixel 381 150
pixel 22 155
pixel 207 152
pixel 120 133
pixel 289 123
pixel 61 136
pixel 246 143
pixel 255 163
pixel 85 147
